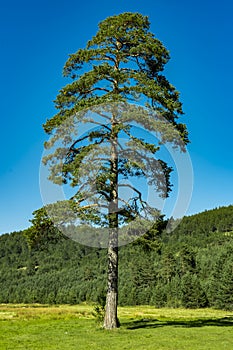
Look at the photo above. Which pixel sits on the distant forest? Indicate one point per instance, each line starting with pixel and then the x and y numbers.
pixel 189 267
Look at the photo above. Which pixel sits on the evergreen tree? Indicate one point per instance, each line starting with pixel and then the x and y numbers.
pixel 122 63
pixel 168 265
pixel 224 297
pixel 42 230
pixel 186 259
pixel 159 297
pixel 193 295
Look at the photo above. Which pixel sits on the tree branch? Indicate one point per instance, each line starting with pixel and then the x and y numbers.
pixel 134 189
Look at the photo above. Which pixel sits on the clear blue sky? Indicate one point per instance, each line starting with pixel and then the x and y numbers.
pixel 36 38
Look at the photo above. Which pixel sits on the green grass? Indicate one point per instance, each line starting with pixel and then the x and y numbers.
pixel 142 328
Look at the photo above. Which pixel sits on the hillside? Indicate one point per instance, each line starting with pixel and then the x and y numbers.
pixel 190 267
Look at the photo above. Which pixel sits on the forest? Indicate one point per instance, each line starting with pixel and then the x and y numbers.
pixel 190 266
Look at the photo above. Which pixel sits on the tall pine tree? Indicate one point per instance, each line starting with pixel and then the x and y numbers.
pixel 122 63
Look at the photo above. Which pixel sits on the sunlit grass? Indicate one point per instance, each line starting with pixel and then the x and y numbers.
pixel 142 327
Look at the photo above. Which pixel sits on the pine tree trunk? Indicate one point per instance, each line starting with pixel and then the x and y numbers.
pixel 110 320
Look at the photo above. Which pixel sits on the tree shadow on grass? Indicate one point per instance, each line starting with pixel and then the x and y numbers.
pixel 155 323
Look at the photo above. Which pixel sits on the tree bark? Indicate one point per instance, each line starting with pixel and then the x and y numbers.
pixel 110 320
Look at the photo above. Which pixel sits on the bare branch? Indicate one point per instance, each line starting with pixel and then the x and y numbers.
pixel 97 123
pixel 133 188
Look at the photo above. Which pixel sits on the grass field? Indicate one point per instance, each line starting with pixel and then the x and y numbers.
pixel 74 327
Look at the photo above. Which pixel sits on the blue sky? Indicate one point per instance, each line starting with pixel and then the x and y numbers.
pixel 36 38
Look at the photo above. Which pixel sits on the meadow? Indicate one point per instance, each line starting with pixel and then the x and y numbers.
pixel 70 327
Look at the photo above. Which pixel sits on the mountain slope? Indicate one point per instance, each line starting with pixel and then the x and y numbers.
pixel 189 267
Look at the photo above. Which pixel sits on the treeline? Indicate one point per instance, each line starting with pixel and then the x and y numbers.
pixel 191 267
